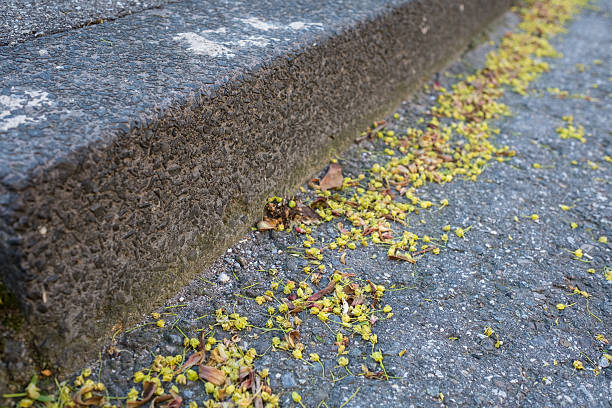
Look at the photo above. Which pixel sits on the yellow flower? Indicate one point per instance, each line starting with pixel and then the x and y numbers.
pixel 314 357
pixel 562 306
pixel 578 365
pixel 25 403
pixel 160 323
pixel 296 397
pixel 209 387
pixel 578 253
pixel 377 356
pixel 603 239
pixel 191 375
pixel 459 232
pixel 132 394
pixel 535 217
pixel 343 361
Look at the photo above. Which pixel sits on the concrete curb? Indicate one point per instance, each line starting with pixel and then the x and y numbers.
pixel 97 232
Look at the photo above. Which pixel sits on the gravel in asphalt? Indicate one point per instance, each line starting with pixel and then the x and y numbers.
pixel 23 20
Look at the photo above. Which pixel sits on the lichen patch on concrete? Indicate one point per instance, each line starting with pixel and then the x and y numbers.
pixel 10 105
pixel 259 24
pixel 203 46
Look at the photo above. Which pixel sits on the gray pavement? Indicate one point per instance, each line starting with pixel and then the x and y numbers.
pixel 23 20
pixel 509 273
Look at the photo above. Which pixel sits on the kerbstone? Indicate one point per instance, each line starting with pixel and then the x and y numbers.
pixel 134 151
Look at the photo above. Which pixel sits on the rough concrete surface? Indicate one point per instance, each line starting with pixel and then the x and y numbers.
pixel 23 20
pixel 133 152
pixel 507 274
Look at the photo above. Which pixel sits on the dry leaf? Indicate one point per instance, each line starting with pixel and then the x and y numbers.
pixel 265 225
pixel 244 377
pixel 293 337
pixel 325 291
pixel 194 359
pixel 333 178
pixel 256 389
pixel 218 354
pixel 378 375
pixel 148 389
pixel 176 400
pixel 402 257
pixel 319 202
pixel 95 400
pixel 211 374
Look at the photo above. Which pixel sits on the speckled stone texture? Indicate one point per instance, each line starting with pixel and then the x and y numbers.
pixel 133 152
pixel 22 20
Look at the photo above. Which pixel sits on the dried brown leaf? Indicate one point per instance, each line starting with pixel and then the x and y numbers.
pixel 218 355
pixel 211 374
pixel 293 337
pixel 323 292
pixel 244 375
pixel 194 359
pixel 148 389
pixel 333 178
pixel 319 202
pixel 378 375
pixel 402 257
pixel 256 389
pixel 304 214
pixel 266 225
pixel 95 400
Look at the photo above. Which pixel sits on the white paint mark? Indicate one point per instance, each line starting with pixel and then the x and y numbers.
pixel 12 122
pixel 203 46
pixel 38 98
pixel 300 25
pixel 297 25
pixel 259 24
pixel 220 30
pixel 255 41
pixel 9 103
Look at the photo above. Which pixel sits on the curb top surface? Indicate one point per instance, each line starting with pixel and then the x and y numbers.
pixel 62 92
pixel 23 20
